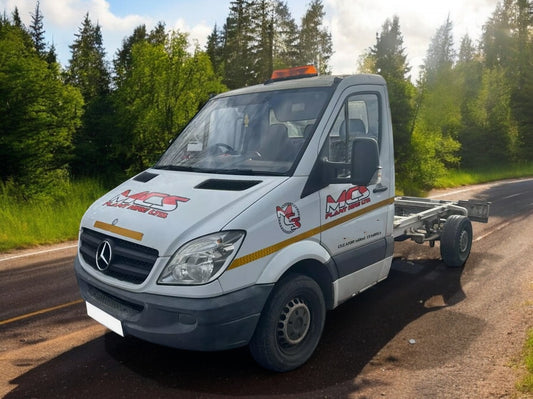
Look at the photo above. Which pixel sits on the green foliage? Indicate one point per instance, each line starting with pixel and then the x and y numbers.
pixel 88 71
pixel 214 50
pixel 285 42
pixel 387 57
pixel 525 385
pixel 37 31
pixel 237 46
pixel 483 174
pixel 440 54
pixel 123 59
pixel 315 45
pixel 162 91
pixel 39 115
pixel 261 35
pixel 44 221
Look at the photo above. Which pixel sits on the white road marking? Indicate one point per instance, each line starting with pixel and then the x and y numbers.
pixel 39 252
pixel 500 227
pixel 512 196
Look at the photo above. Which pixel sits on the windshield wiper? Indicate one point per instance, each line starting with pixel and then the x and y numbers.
pixel 234 171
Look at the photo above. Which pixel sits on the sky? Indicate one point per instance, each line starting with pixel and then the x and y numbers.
pixel 353 24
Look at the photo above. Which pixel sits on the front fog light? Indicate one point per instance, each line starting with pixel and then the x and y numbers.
pixel 202 260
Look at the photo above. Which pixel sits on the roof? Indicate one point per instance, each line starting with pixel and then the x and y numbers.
pixel 317 81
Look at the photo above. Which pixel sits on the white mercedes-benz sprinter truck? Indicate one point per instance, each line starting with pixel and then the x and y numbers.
pixel 275 204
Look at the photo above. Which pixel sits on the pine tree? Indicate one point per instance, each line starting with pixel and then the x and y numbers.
pixel 163 89
pixel 88 71
pixel 389 60
pixel 262 45
pixel 439 107
pixel 440 54
pixel 158 35
pixel 38 118
pixel 315 41
pixel 497 36
pixel 285 40
pixel 238 40
pixel 467 51
pixel 37 31
pixel 51 55
pixel 469 71
pixel 215 50
pixel 123 57
pixel 16 19
pixel 522 81
pixel 507 47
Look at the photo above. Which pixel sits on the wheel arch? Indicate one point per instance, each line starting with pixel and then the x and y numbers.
pixel 318 272
pixel 308 258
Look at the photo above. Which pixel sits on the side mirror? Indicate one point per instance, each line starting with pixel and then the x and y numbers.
pixel 365 161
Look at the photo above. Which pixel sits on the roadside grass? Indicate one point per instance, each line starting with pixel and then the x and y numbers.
pixel 30 223
pixel 525 385
pixel 458 177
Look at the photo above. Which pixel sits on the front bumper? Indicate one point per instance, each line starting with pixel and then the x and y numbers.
pixel 204 324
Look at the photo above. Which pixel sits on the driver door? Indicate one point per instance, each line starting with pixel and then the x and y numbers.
pixel 354 218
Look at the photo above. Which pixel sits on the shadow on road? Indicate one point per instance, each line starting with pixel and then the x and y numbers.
pixel 355 332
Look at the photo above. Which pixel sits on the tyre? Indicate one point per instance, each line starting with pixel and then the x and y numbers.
pixel 456 241
pixel 290 325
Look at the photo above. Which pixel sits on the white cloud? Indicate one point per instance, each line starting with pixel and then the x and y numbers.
pixel 66 13
pixel 63 18
pixel 354 25
pixel 197 34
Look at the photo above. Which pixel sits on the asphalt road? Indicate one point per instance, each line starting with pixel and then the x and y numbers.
pixel 426 332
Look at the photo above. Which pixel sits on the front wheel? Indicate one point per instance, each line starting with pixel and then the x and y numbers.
pixel 290 326
pixel 456 240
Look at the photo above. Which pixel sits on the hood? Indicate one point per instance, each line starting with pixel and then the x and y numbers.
pixel 164 209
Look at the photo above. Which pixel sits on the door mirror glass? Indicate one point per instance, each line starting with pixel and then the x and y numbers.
pixel 365 161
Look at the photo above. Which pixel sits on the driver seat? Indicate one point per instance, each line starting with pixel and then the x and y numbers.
pixel 275 144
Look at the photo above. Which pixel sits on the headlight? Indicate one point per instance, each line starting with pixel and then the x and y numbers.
pixel 203 259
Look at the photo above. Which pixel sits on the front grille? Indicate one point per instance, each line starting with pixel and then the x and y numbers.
pixel 130 262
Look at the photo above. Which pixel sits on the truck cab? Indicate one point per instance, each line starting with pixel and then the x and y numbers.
pixel 274 204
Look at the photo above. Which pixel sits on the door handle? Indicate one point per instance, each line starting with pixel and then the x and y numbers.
pixel 379 188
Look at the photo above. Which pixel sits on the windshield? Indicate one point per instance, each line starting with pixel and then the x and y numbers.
pixel 258 133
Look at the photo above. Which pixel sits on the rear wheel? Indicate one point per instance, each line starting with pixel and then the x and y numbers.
pixel 291 324
pixel 456 240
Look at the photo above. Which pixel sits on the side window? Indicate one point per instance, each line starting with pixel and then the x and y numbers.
pixel 359 117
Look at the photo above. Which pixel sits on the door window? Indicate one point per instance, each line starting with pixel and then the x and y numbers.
pixel 359 117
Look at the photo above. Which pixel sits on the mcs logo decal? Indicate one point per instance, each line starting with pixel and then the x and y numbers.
pixel 288 217
pixel 151 203
pixel 348 199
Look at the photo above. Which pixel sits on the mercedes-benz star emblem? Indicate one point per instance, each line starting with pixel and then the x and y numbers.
pixel 104 254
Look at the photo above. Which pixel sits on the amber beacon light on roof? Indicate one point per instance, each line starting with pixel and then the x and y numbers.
pixel 305 71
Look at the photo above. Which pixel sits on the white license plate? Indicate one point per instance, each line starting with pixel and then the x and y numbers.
pixel 104 318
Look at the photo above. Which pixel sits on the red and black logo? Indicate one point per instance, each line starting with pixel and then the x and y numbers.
pixel 348 199
pixel 288 217
pixel 151 203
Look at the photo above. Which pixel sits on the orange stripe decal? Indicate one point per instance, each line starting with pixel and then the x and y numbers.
pixel 119 230
pixel 317 230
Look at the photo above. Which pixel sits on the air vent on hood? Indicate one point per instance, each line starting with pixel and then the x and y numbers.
pixel 227 185
pixel 145 177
